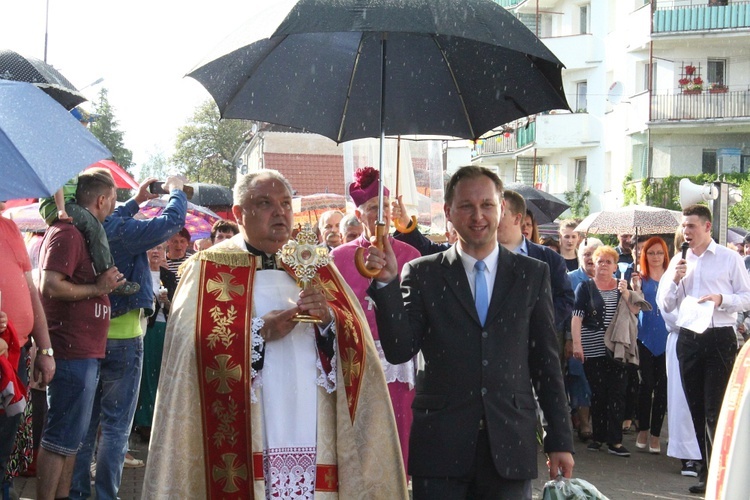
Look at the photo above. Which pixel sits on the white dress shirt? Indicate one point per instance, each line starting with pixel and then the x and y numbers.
pixel 490 271
pixel 717 270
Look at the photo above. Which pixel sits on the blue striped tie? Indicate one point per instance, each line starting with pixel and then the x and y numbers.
pixel 480 287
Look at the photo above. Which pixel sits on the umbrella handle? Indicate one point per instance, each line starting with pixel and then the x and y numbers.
pixel 406 229
pixel 359 254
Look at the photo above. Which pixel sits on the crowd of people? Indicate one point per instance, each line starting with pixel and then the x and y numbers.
pixel 434 364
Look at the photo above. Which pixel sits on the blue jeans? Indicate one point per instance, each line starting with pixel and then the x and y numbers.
pixel 70 396
pixel 114 407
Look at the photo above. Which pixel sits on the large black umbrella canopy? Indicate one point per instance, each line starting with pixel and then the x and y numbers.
pixel 545 207
pixel 452 68
pixel 16 67
pixel 208 195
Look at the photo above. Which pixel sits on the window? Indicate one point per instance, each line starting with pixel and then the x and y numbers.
pixel 583 21
pixel 709 161
pixel 581 171
pixel 716 71
pixel 581 92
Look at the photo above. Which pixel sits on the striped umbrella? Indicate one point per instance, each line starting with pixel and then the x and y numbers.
pixel 309 208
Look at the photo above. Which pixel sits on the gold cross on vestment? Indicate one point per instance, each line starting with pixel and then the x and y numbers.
pixel 223 371
pixel 230 473
pixel 350 366
pixel 225 287
pixel 330 479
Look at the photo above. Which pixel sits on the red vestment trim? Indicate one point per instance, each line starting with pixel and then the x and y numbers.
pixel 224 361
pixel 326 478
pixel 258 466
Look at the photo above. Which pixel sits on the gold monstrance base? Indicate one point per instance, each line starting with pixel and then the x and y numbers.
pixel 305 257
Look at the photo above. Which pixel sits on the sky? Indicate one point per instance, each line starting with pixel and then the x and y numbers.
pixel 142 49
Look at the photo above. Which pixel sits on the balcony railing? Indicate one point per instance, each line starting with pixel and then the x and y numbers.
pixel 521 137
pixel 706 105
pixel 508 3
pixel 702 17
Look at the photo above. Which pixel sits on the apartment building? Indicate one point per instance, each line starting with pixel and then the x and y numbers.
pixel 655 88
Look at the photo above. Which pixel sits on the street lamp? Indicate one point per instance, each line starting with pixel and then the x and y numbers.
pixel 95 82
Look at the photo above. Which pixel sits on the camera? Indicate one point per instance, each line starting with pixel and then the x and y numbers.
pixel 157 187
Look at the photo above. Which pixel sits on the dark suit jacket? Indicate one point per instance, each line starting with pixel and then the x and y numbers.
pixel 422 243
pixel 473 372
pixel 563 296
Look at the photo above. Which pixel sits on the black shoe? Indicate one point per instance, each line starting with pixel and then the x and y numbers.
pixel 594 446
pixel 689 468
pixel 620 451
pixel 127 288
pixel 698 488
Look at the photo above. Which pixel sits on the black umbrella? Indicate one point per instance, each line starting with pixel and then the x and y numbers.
pixel 349 69
pixel 452 68
pixel 211 195
pixel 14 66
pixel 545 207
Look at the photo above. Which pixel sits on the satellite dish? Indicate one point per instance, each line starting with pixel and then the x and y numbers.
pixel 254 129
pixel 614 96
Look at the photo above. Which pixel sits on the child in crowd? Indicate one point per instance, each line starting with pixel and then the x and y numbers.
pixel 63 207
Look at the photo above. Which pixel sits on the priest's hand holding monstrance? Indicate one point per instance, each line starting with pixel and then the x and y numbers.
pixel 305 257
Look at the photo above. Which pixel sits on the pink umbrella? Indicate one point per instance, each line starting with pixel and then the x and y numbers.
pixel 27 218
pixel 198 221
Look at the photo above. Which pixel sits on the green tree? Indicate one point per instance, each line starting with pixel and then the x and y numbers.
pixel 157 166
pixel 206 146
pixel 578 199
pixel 105 128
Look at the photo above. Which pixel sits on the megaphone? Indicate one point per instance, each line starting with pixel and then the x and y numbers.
pixel 690 193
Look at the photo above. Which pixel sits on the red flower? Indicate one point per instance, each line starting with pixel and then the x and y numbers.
pixel 689 70
pixel 683 81
pixel 698 80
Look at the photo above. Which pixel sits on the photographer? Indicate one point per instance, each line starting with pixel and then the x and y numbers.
pixel 120 373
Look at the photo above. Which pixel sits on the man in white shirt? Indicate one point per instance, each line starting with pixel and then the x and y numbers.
pixel 709 272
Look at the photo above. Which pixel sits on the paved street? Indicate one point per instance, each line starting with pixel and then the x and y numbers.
pixel 642 476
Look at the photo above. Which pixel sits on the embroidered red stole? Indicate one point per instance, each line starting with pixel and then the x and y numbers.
pixel 349 332
pixel 224 361
pixel 224 358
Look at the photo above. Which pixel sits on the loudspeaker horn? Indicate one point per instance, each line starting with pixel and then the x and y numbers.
pixel 690 193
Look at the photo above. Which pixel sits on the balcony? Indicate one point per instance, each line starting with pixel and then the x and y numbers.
pixel 547 131
pixel 516 137
pixel 703 106
pixel 702 17
pixel 508 3
pixel 576 51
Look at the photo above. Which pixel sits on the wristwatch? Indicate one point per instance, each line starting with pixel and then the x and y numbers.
pixel 47 352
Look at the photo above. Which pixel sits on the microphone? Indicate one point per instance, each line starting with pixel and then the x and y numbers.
pixel 684 248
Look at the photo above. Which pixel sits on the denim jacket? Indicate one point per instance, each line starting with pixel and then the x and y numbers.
pixel 130 239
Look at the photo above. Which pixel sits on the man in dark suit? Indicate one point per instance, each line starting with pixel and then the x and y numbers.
pixel 474 423
pixel 510 236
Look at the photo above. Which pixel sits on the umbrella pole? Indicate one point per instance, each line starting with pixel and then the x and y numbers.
pixel 381 204
pixel 380 229
pixel 398 166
